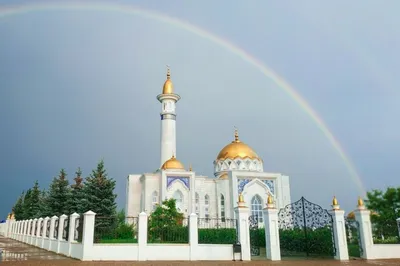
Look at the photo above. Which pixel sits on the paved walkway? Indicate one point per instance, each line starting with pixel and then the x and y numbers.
pixel 16 253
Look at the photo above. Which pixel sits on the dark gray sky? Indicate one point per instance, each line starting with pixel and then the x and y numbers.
pixel 77 86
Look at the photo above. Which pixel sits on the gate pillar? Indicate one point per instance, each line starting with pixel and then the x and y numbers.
pixel 272 245
pixel 242 215
pixel 363 218
pixel 339 232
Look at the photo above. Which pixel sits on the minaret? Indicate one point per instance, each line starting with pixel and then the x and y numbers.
pixel 168 100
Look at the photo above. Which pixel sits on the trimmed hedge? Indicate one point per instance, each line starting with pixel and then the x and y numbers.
pixel 217 236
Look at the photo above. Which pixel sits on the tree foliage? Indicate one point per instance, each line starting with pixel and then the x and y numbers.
pixel 96 193
pixel 99 192
pixel 18 208
pixel 385 207
pixel 59 194
pixel 77 194
pixel 165 222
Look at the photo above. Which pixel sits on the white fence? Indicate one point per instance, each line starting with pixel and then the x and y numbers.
pixel 55 235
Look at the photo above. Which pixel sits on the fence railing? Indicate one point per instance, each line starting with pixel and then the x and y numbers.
pixel 78 229
pixel 55 233
pixel 386 233
pixel 217 230
pixel 168 231
pixel 110 230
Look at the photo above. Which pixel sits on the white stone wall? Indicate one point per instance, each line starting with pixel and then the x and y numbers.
pixel 133 193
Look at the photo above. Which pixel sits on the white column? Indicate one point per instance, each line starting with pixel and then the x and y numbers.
pixel 339 232
pixel 242 215
pixel 25 237
pixel 142 237
pixel 88 235
pixel 272 244
pixel 44 229
pixel 71 231
pixel 193 236
pixel 38 231
pixel 61 226
pixel 33 233
pixel 398 225
pixel 7 229
pixel 28 231
pixel 52 225
pixel 362 216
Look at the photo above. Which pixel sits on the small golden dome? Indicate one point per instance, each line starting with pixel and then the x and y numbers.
pixel 241 198
pixel 360 202
pixel 168 87
pixel 335 201
pixel 172 163
pixel 237 149
pixel 224 176
pixel 270 200
pixel 351 215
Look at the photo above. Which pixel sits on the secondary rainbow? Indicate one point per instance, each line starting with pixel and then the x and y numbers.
pixel 129 9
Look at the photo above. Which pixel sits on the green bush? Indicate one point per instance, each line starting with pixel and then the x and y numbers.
pixel 112 233
pixel 217 236
pixel 388 240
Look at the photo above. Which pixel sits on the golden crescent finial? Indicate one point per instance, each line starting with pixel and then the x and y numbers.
pixel 190 167
pixel 236 135
pixel 168 72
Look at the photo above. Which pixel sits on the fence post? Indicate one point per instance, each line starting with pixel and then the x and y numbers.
pixel 28 231
pixel 272 244
pixel 242 215
pixel 88 235
pixel 398 225
pixel 60 230
pixel 339 231
pixel 45 221
pixel 363 218
pixel 38 231
pixel 193 236
pixel 25 237
pixel 142 237
pixel 52 225
pixel 33 233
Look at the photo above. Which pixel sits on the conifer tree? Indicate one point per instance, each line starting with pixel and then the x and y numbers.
pixel 44 204
pixel 18 208
pixel 76 200
pixel 33 206
pixel 99 193
pixel 27 199
pixel 59 194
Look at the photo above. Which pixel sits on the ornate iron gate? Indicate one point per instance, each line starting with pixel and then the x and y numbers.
pixel 306 229
pixel 254 236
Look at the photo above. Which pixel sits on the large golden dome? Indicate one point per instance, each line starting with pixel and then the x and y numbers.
pixel 172 163
pixel 168 86
pixel 237 149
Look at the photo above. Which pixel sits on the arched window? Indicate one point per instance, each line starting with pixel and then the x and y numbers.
pixel 178 196
pixel 206 206
pixel 222 208
pixel 256 208
pixel 154 200
pixel 197 203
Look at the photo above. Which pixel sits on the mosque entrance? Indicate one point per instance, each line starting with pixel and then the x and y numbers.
pixel 306 229
pixel 254 235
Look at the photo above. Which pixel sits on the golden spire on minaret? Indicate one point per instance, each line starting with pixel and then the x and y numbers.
pixel 236 135
pixel 168 87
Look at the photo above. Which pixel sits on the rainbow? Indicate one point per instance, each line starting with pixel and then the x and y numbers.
pixel 132 10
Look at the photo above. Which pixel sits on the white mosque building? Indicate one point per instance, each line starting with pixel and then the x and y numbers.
pixel 237 169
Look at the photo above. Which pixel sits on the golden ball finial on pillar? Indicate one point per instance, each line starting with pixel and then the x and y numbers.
pixel 270 202
pixel 360 204
pixel 335 203
pixel 241 203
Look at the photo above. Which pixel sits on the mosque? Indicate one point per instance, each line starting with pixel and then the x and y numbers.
pixel 237 169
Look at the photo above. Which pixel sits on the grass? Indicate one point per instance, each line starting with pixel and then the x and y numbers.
pixel 118 241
